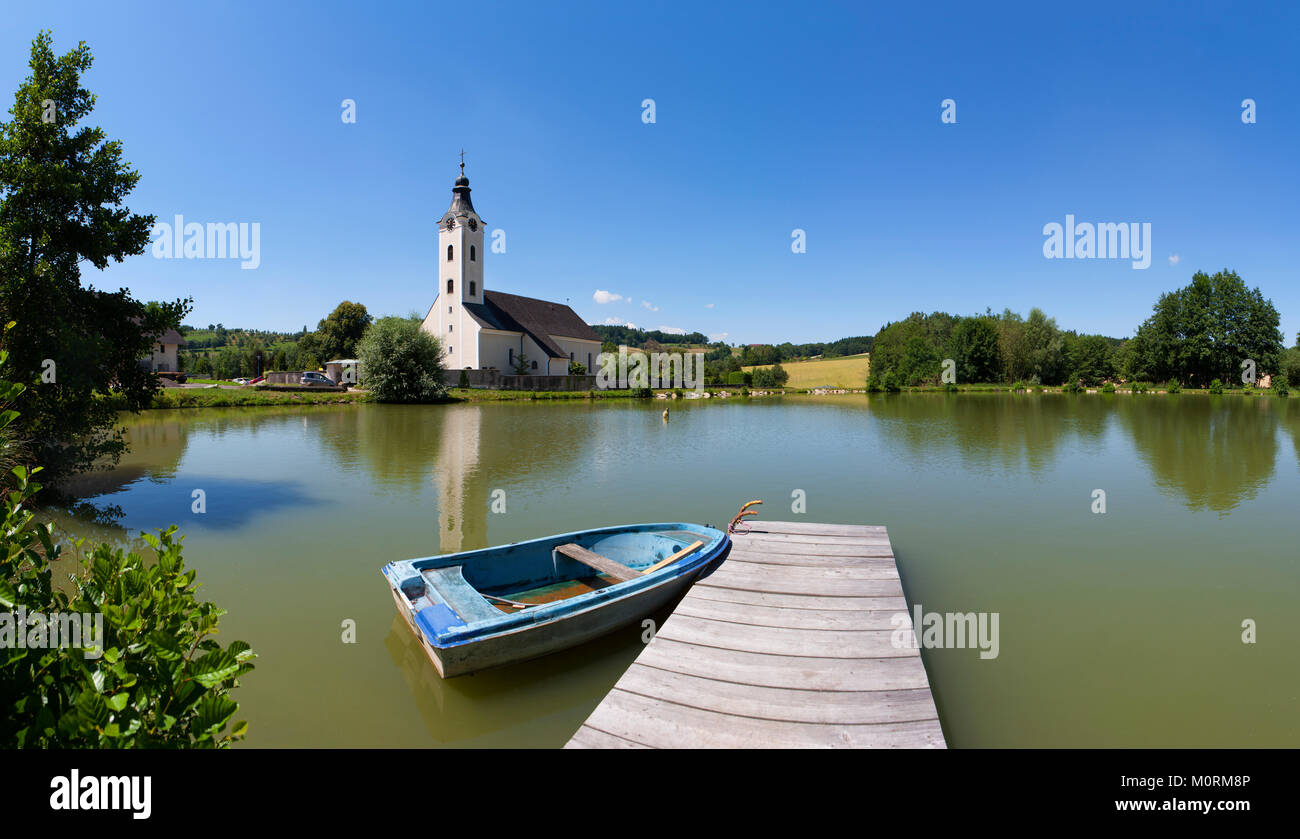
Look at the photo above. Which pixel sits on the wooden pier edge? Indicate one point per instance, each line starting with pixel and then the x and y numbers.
pixel 788 644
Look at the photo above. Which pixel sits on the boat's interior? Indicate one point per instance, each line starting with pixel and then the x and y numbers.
pixel 481 585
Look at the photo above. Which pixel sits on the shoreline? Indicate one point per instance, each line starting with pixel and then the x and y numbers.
pixel 177 399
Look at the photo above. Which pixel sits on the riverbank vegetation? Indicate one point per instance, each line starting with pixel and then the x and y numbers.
pixel 1206 330
pixel 117 652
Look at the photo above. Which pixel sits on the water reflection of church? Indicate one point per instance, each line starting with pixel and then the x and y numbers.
pixel 462 494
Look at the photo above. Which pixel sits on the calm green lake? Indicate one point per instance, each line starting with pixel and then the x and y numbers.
pixel 1116 629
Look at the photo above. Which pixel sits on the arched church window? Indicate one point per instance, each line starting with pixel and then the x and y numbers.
pixel 471 253
pixel 449 249
pixel 450 286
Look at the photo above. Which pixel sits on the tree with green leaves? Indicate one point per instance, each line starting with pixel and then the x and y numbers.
pixel 62 191
pixel 1206 330
pixel 342 329
pixel 401 362
pixel 1089 358
pixel 975 350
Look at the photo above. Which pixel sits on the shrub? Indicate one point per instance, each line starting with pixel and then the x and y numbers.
pixel 464 379
pixel 644 393
pixel 1216 387
pixel 154 678
pixel 873 384
pixel 1109 387
pixel 762 377
pixel 403 363
pixel 1173 386
pixel 1141 387
pixel 1281 387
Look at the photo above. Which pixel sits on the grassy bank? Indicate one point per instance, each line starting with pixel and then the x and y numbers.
pixel 250 397
pixel 222 398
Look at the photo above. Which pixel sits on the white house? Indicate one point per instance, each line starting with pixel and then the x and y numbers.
pixel 165 351
pixel 482 329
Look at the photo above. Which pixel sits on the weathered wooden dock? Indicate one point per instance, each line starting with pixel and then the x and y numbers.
pixel 786 645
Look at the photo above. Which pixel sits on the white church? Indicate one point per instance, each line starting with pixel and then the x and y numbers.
pixel 482 329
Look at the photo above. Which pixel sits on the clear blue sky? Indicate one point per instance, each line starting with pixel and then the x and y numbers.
pixel 770 117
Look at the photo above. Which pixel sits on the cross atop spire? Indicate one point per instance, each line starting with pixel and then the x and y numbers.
pixel 462 161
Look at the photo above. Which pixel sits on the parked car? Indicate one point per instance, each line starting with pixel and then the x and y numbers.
pixel 240 381
pixel 312 379
pixel 257 381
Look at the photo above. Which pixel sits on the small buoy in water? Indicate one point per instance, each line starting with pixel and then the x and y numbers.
pixel 665 415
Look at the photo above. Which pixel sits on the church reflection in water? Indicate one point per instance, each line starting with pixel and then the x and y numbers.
pixel 462 497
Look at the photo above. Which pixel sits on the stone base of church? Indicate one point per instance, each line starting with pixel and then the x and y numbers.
pixel 496 380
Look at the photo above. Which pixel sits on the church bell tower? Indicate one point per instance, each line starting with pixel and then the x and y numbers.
pixel 460 275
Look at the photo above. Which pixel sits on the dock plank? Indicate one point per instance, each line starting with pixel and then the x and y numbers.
pixel 668 725
pixel 789 643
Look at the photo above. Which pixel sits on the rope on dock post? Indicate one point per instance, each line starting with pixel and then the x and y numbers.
pixel 737 524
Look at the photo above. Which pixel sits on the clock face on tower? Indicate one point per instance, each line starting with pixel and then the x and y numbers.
pixel 451 222
pixel 473 225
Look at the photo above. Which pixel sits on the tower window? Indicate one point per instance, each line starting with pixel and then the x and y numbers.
pixel 534 365
pixel 449 327
pixel 448 310
pixel 450 286
pixel 472 286
pixel 512 355
pixel 471 253
pixel 449 249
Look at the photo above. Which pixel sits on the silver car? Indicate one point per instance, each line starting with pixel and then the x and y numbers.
pixel 310 379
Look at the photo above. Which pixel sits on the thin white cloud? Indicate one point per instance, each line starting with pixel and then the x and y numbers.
pixel 1174 259
pixel 620 322
pixel 721 336
pixel 647 304
pixel 672 330
pixel 708 305
pixel 602 297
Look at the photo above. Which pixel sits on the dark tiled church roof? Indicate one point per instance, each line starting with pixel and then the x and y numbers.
pixel 540 319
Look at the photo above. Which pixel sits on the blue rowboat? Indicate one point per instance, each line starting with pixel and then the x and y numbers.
pixel 495 606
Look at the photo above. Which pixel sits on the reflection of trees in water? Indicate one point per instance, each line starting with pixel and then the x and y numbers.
pixel 988 431
pixel 1212 451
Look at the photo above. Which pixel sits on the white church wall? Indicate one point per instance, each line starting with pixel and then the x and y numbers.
pixel 495 347
pixel 584 352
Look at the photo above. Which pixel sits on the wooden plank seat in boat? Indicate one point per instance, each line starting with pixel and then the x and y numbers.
pixel 603 564
pixel 462 597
